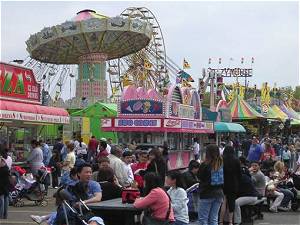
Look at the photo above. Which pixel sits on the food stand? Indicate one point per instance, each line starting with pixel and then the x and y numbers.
pixel 149 119
pixel 21 112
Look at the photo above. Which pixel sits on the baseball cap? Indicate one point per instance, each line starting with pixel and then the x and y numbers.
pixel 97 220
pixel 103 139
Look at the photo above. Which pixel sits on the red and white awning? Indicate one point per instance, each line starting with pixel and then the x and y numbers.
pixel 10 110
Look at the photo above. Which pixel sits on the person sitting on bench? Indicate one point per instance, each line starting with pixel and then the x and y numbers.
pixel 247 193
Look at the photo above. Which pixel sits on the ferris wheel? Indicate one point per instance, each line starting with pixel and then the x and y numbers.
pixel 146 68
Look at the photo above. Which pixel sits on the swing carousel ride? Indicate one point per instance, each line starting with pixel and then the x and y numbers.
pixel 129 48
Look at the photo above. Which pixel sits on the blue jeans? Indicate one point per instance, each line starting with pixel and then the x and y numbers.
pixel 177 222
pixel 3 206
pixel 209 210
pixel 288 196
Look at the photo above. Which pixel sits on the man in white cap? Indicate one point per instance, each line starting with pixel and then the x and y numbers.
pixel 108 147
pixel 96 221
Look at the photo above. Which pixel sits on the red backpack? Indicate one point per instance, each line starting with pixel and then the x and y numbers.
pixel 129 195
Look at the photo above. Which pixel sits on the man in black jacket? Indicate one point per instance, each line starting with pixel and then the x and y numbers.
pixel 190 176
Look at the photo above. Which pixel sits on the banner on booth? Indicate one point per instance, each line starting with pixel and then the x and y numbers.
pixel 137 122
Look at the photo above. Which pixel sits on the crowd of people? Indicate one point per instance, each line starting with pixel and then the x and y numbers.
pixel 102 170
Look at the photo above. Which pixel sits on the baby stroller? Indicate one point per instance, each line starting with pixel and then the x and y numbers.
pixel 30 188
pixel 66 212
pixel 193 196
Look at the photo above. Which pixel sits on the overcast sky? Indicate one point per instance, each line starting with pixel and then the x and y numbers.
pixel 267 31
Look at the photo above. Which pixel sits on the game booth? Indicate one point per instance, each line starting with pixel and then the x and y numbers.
pixel 21 112
pixel 148 119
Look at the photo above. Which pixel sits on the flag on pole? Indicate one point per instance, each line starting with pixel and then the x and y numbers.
pixel 242 60
pixel 252 59
pixel 186 65
pixel 147 65
pixel 220 60
pixel 209 61
pixel 184 75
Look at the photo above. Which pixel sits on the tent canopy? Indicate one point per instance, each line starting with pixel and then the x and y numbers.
pixel 221 127
pixel 241 110
pixel 279 112
pixel 99 109
pixel 270 115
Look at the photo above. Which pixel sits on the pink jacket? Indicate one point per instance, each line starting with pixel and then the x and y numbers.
pixel 158 201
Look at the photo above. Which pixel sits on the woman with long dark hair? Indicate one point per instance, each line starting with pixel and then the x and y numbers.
pixel 232 174
pixel 178 197
pixel 157 165
pixel 156 200
pixel 109 184
pixel 210 186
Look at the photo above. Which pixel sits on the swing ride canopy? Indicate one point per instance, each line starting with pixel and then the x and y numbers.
pixel 241 110
pixel 89 33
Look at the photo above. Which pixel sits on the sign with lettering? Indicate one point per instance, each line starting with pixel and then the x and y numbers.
pixel 18 83
pixel 172 123
pixel 106 123
pixel 186 111
pixel 23 116
pixel 187 124
pixel 137 122
pixel 232 72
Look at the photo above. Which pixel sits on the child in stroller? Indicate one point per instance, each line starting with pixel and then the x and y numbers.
pixel 29 188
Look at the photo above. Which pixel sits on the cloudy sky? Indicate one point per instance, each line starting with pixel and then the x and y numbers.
pixel 267 31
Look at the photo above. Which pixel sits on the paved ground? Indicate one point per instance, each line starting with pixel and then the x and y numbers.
pixel 21 215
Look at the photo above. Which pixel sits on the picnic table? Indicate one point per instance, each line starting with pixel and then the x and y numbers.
pixel 115 212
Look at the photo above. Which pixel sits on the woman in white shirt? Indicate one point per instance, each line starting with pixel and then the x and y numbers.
pixel 81 149
pixel 178 197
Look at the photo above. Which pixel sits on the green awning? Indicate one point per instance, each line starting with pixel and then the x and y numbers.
pixel 99 110
pixel 295 122
pixel 221 127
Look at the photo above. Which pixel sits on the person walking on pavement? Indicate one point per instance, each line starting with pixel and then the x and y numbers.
pixel 196 149
pixel 46 153
pixel 35 158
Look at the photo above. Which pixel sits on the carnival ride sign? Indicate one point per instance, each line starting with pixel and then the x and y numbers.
pixel 232 72
pixel 141 107
pixel 18 83
pixel 137 122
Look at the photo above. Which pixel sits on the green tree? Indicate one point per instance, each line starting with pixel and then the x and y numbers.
pixel 297 93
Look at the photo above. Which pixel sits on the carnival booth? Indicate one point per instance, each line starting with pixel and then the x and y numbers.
pixel 21 112
pixel 149 119
pixel 224 124
pixel 87 121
